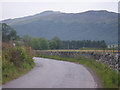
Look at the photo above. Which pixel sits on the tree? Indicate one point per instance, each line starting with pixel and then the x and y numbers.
pixel 44 44
pixel 35 43
pixel 8 33
pixel 13 35
pixel 52 44
pixel 58 42
pixel 39 44
pixel 27 39
pixel 103 44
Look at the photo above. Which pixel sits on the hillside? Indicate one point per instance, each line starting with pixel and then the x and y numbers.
pixel 89 25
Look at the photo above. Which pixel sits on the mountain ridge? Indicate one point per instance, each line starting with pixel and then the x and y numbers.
pixel 89 25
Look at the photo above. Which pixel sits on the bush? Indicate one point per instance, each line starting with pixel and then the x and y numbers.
pixel 15 61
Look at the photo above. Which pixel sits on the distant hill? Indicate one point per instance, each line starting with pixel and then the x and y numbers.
pixel 89 25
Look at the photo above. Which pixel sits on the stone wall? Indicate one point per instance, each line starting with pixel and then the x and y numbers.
pixel 111 59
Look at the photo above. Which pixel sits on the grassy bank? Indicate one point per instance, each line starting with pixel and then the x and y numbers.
pixel 15 61
pixel 109 78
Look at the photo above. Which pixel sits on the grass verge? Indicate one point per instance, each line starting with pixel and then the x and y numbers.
pixel 108 77
pixel 15 72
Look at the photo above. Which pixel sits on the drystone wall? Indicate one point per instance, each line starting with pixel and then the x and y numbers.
pixel 111 59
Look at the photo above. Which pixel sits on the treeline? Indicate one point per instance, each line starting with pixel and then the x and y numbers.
pixel 56 43
pixel 83 44
pixel 9 34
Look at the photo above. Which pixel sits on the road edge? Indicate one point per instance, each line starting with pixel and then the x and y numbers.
pixel 95 76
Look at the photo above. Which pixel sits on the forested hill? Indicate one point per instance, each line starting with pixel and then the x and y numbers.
pixel 89 25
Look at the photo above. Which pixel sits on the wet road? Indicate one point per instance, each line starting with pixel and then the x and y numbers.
pixel 49 73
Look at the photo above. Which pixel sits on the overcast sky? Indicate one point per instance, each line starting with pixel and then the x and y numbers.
pixel 14 8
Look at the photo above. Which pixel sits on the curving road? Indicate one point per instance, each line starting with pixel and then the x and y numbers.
pixel 49 73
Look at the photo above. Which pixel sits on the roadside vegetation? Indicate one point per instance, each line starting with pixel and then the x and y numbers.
pixel 108 77
pixel 16 59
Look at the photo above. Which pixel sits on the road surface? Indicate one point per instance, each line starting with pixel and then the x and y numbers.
pixel 49 73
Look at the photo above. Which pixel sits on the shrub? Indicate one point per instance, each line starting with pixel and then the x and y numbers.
pixel 15 60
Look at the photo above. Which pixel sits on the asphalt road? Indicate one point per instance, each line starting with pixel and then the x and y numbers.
pixel 49 73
